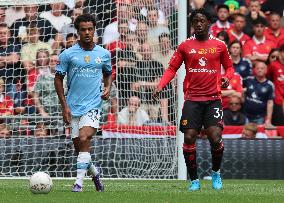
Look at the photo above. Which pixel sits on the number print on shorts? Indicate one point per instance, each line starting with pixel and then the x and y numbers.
pixel 218 113
pixel 95 115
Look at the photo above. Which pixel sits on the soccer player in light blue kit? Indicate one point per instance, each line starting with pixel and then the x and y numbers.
pixel 85 64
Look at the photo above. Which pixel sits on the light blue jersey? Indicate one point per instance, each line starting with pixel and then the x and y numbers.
pixel 84 71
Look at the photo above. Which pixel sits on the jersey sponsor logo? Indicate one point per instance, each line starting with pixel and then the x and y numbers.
pixel 87 59
pixel 192 51
pixel 202 61
pixel 201 70
pixel 280 78
pixel 98 60
pixel 212 50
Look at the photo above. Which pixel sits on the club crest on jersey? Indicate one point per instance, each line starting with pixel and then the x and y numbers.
pixel 98 60
pixel 87 59
pixel 184 122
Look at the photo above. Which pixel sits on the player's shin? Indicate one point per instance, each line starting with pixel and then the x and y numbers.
pixel 83 162
pixel 189 152
pixel 93 170
pixel 217 149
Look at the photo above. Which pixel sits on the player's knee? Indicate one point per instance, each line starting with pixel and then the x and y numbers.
pixel 190 136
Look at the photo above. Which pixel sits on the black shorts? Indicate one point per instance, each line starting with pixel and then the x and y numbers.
pixel 196 114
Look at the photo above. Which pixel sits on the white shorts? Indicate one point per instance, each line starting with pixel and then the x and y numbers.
pixel 92 119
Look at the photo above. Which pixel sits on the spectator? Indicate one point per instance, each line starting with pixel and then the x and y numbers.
pixel 111 32
pixel 155 29
pixel 236 33
pixel 133 114
pixel 254 13
pixel 41 68
pixel 274 32
pixel 250 131
pixel 276 74
pixel 19 28
pixel 258 47
pixel 222 24
pixel 132 42
pixel 71 39
pixel 233 115
pixel 242 65
pixel 22 102
pixel 144 6
pixel 44 94
pixel 29 50
pixel 235 88
pixel 120 43
pixel 142 32
pixel 272 56
pixel 258 105
pixel 165 51
pixel 53 60
pixel 41 130
pixel 223 35
pixel 56 17
pixel 4 130
pixel 14 13
pixel 68 29
pixel 236 6
pixel 126 74
pixel 9 60
pixel 6 103
pixel 2 15
pixel 271 6
pixel 147 76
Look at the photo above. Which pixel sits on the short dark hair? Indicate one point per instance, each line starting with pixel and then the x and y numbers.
pixel 273 13
pixel 259 20
pixel 71 35
pixel 239 15
pixel 223 6
pixel 235 42
pixel 84 18
pixel 201 11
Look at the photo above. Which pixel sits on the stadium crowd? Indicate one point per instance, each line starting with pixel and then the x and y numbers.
pixel 141 36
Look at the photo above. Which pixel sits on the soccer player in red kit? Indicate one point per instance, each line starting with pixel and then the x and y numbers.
pixel 203 56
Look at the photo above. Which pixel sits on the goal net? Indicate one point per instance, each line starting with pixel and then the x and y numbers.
pixel 137 136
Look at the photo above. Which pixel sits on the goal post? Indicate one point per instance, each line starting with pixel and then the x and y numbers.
pixel 34 141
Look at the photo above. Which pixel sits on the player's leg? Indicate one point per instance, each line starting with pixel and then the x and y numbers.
pixel 89 124
pixel 190 125
pixel 214 126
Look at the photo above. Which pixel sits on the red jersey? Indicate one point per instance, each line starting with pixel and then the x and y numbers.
pixel 270 35
pixel 203 61
pixel 32 77
pixel 253 47
pixel 218 27
pixel 243 38
pixel 236 84
pixel 276 73
pixel 6 104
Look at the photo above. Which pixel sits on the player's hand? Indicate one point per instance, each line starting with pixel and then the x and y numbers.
pixel 106 93
pixel 156 93
pixel 66 115
pixel 224 82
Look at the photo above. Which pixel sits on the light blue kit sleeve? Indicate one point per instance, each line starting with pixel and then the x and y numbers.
pixel 107 63
pixel 62 64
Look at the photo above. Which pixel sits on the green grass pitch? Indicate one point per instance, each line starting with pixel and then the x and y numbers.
pixel 239 191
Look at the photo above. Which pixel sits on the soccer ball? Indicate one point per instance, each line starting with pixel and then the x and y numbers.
pixel 40 183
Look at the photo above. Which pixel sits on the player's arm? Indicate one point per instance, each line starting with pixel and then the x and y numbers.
pixel 174 64
pixel 269 111
pixel 107 76
pixel 227 63
pixel 60 72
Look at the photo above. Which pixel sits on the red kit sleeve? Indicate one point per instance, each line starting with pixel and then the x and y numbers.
pixel 227 63
pixel 174 64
